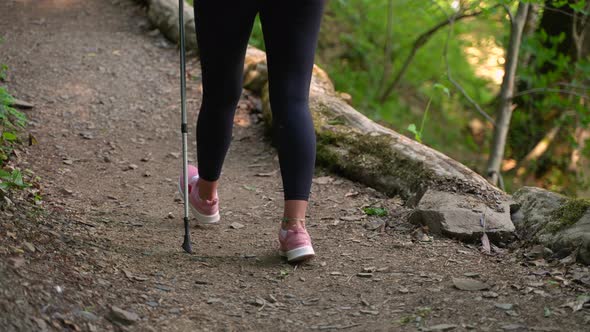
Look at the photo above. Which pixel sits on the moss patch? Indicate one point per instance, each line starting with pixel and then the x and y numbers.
pixel 568 214
pixel 369 159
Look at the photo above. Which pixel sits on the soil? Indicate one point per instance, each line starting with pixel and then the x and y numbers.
pixel 109 229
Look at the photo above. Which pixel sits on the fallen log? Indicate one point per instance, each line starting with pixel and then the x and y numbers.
pixel 446 195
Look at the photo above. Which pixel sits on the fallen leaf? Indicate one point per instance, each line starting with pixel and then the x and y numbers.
pixel 485 244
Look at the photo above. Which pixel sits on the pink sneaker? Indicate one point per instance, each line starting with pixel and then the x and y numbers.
pixel 205 211
pixel 295 244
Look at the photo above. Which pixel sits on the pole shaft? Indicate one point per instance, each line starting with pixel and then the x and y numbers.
pixel 186 244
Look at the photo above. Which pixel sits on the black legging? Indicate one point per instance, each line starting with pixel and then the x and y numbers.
pixel 290 29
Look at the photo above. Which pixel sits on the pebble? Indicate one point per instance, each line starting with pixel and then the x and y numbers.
pixel 29 246
pixel 164 288
pixel 212 300
pixel 369 312
pixel 489 295
pixel 504 306
pixel 441 327
pixel 236 225
pixel 364 275
pixel 174 155
pixel 86 135
pixel 513 327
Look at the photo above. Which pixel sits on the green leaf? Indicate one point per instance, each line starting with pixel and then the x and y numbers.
pixel 417 135
pixel 17 178
pixel 443 88
pixel 9 136
pixel 375 211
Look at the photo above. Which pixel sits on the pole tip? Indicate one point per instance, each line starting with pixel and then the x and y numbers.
pixel 186 245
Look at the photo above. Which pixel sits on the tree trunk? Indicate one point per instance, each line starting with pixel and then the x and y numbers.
pixel 504 112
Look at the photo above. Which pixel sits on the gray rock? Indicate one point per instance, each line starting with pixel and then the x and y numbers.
pixel 576 237
pixel 554 221
pixel 534 206
pixel 120 316
pixel 459 216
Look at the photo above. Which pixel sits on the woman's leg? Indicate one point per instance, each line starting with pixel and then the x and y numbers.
pixel 223 29
pixel 290 33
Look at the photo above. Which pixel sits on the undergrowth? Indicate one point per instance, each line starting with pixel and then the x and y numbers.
pixel 12 122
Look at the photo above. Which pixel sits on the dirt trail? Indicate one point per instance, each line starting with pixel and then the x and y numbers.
pixel 106 118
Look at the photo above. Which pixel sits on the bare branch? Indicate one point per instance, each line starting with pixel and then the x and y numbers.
pixel 418 43
pixel 544 90
pixel 458 86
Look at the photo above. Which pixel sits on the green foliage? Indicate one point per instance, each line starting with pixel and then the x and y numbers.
pixel 3 70
pixel 11 180
pixel 559 82
pixel 11 121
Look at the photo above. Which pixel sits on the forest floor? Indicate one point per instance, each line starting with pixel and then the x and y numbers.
pixel 102 252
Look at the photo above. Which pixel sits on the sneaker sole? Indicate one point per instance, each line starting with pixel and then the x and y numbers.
pixel 201 218
pixel 298 255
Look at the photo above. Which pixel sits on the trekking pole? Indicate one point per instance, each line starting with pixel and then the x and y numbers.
pixel 186 245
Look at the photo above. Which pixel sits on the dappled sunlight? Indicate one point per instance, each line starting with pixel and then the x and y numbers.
pixel 486 57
